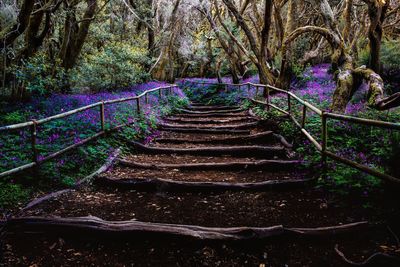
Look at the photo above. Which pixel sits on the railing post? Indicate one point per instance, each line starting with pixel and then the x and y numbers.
pixel 146 97
pixel 268 100
pixel 102 117
pixel 255 97
pixel 138 106
pixel 303 121
pixel 33 141
pixel 226 88
pixel 289 104
pixel 324 137
pixel 248 90
pixel 160 91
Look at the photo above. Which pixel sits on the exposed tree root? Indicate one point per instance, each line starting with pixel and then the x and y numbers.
pixel 205 131
pixel 239 165
pixel 260 151
pixel 283 140
pixel 174 185
pixel 376 259
pixel 265 136
pixel 223 127
pixel 94 225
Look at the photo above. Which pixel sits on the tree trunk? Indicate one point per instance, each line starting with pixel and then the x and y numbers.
pixel 75 35
pixel 377 15
pixel 285 76
pixel 8 35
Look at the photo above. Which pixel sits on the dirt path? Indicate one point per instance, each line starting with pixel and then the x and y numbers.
pixel 214 174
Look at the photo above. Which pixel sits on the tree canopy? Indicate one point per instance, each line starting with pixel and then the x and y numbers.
pixel 58 45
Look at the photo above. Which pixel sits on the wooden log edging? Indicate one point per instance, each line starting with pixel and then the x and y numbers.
pixel 176 185
pixel 208 121
pixel 204 131
pixel 261 151
pixel 109 162
pixel 44 198
pixel 96 225
pixel 207 108
pixel 219 115
pixel 228 140
pixel 222 111
pixel 105 167
pixel 200 127
pixel 259 164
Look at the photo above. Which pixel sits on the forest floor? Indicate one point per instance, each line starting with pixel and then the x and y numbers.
pixel 214 167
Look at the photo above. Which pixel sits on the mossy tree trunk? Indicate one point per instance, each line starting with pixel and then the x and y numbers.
pixel 75 33
pixel 258 44
pixel 377 13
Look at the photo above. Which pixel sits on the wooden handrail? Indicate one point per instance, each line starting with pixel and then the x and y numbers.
pixel 321 147
pixel 34 123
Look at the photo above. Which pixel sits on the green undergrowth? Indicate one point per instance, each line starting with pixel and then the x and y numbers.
pixel 211 94
pixel 370 146
pixel 64 171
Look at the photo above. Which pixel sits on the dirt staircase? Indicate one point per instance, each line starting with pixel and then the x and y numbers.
pixel 217 186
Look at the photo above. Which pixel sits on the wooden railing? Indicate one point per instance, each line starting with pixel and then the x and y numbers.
pixel 33 125
pixel 324 115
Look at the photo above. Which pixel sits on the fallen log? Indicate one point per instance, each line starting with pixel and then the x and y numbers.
pixel 265 136
pixel 222 111
pixel 92 224
pixel 238 165
pixel 221 127
pixel 174 185
pixel 253 151
pixel 205 131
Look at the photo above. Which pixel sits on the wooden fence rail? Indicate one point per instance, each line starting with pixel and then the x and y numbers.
pixel 325 116
pixel 101 105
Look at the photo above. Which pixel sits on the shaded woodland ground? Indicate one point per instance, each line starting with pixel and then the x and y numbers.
pixel 203 175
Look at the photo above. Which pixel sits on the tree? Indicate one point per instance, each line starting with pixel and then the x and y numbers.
pixel 75 32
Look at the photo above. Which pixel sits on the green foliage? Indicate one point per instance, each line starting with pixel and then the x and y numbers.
pixel 12 194
pixel 114 66
pixel 301 45
pixel 171 104
pixel 390 55
pixel 13 117
pixel 378 148
pixel 300 71
pixel 66 170
pixel 216 94
pixel 39 76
